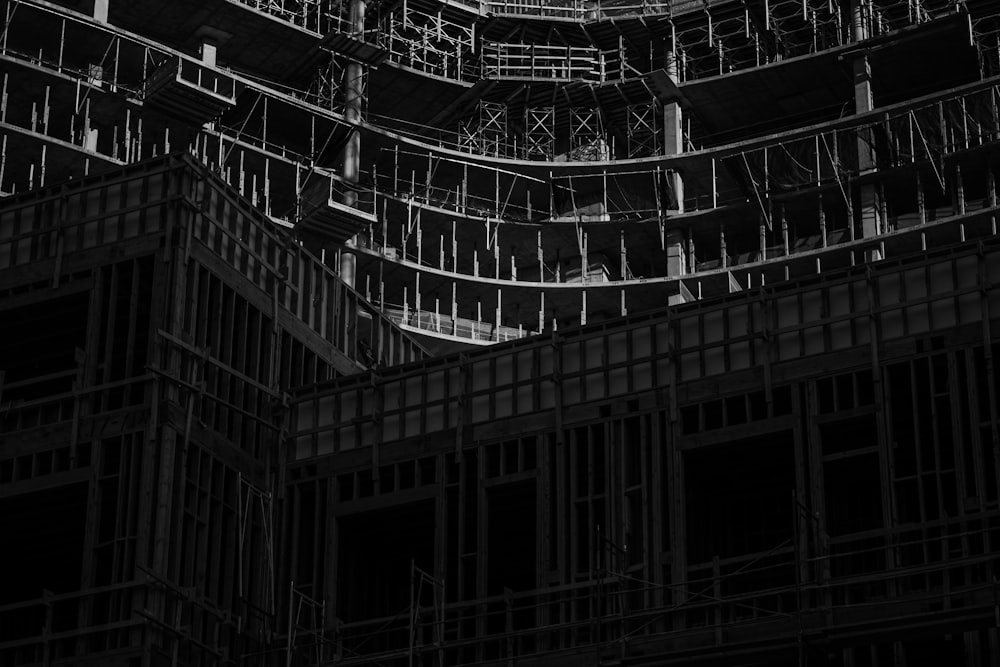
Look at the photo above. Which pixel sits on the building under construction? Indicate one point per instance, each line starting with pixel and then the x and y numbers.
pixel 454 332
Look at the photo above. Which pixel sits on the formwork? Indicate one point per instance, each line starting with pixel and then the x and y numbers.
pixel 152 323
pixel 804 473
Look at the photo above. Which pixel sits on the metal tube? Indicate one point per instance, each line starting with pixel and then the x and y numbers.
pixel 353 108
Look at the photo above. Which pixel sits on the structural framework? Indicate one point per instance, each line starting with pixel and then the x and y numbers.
pixel 441 332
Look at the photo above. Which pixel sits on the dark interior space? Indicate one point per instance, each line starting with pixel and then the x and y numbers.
pixel 57 329
pixel 375 553
pixel 129 333
pixel 853 494
pixel 744 506
pixel 42 551
pixel 940 650
pixel 511 539
pixel 851 474
pixel 43 534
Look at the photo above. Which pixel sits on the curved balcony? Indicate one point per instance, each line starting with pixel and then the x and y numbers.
pixel 276 38
pixel 773 208
pixel 760 175
pixel 274 137
pixel 462 330
pixel 489 314
pixel 516 94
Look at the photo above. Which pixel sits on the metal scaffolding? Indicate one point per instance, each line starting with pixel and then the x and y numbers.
pixel 328 86
pixel 256 555
pixel 428 42
pixel 321 16
pixel 586 137
pixel 486 132
pixel 539 133
pixel 644 130
pixel 426 626
pixel 306 624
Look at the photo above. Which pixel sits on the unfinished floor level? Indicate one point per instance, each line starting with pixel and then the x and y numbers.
pixel 151 321
pixel 802 475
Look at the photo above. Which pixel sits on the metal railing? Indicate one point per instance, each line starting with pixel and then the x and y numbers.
pixel 538 61
pixel 143 614
pixel 759 596
pixel 319 16
pixel 581 10
pixel 436 323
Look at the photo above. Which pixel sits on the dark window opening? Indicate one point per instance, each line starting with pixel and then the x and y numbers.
pixel 43 551
pixel 744 506
pixel 375 553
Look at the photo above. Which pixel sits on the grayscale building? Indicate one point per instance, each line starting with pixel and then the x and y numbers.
pixel 447 332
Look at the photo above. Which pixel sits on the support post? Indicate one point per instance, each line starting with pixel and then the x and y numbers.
pixel 673 144
pixel 101 10
pixel 675 258
pixel 871 222
pixel 209 51
pixel 353 108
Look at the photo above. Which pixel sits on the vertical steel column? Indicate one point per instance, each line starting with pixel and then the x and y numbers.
pixel 871 224
pixel 101 10
pixel 354 105
pixel 671 190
